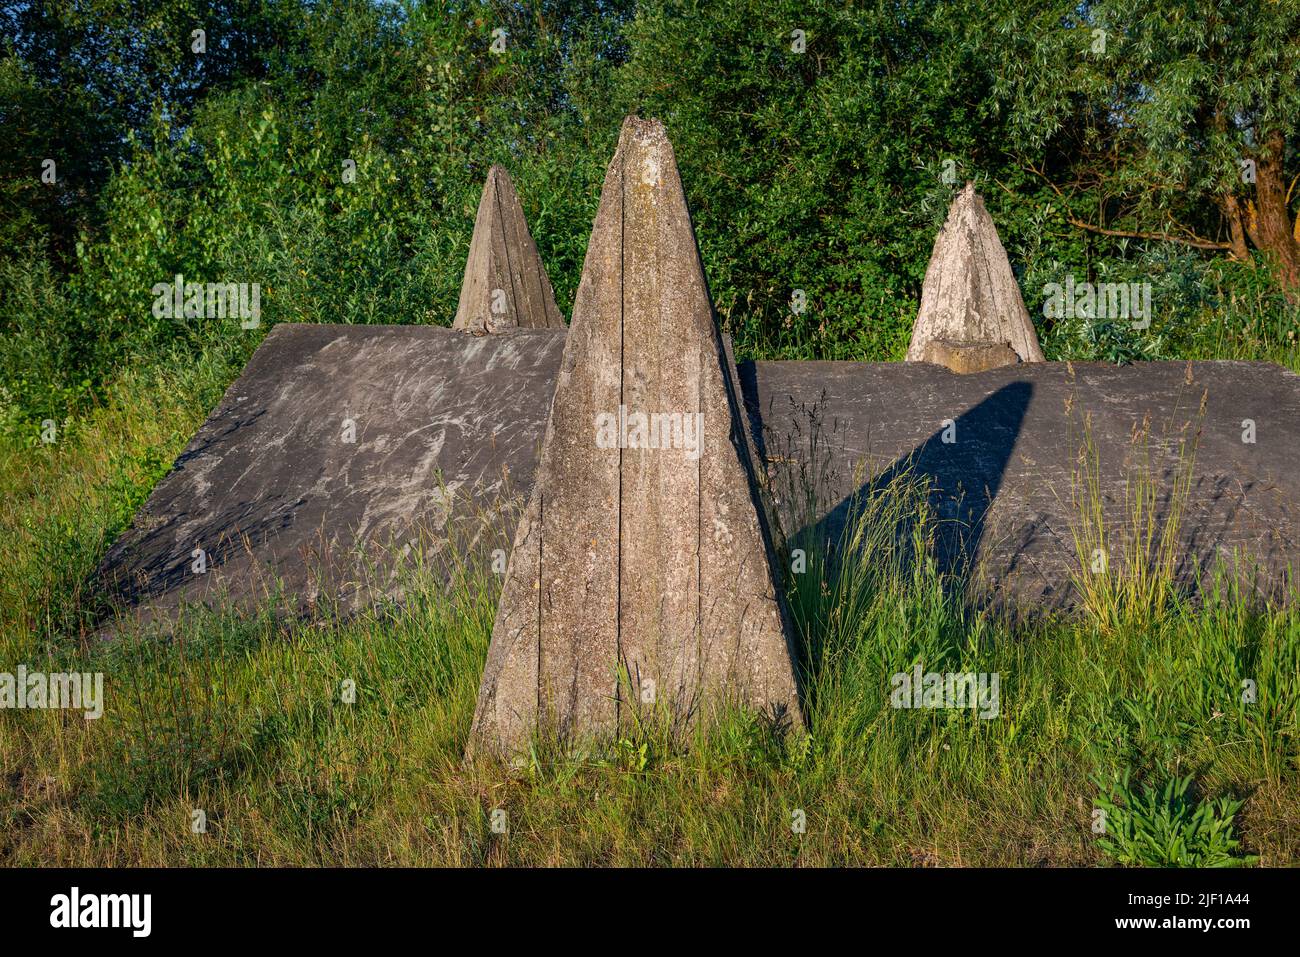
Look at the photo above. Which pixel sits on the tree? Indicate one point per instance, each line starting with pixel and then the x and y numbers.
pixel 77 76
pixel 1160 119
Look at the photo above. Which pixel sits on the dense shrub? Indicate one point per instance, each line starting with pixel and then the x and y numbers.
pixel 819 144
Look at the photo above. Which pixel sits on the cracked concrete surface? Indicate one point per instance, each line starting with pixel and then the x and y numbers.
pixel 448 428
pixel 336 447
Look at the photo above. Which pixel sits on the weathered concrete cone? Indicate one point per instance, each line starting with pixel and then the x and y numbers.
pixel 505 284
pixel 641 579
pixel 972 316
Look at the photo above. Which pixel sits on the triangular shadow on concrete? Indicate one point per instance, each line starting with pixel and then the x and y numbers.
pixel 964 477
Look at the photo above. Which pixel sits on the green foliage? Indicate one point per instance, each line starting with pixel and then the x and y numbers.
pixel 1157 115
pixel 78 76
pixel 819 168
pixel 41 122
pixel 1168 827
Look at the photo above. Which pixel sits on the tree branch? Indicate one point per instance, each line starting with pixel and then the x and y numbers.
pixel 1191 240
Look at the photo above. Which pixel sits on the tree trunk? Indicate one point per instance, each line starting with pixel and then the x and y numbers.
pixel 1273 228
pixel 1230 206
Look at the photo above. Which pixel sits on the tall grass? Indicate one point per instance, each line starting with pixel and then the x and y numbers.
pixel 249 720
pixel 1128 566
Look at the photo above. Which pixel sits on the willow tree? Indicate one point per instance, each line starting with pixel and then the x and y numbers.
pixel 1160 119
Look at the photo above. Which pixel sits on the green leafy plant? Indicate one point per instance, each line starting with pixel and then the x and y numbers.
pixel 1167 827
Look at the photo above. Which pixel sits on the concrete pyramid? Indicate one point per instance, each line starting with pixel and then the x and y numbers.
pixel 505 284
pixel 641 578
pixel 972 316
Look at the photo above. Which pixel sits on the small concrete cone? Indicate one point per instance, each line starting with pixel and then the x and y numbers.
pixel 972 316
pixel 505 284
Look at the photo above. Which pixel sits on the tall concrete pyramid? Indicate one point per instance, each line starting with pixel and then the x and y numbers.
pixel 972 316
pixel 505 284
pixel 641 578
